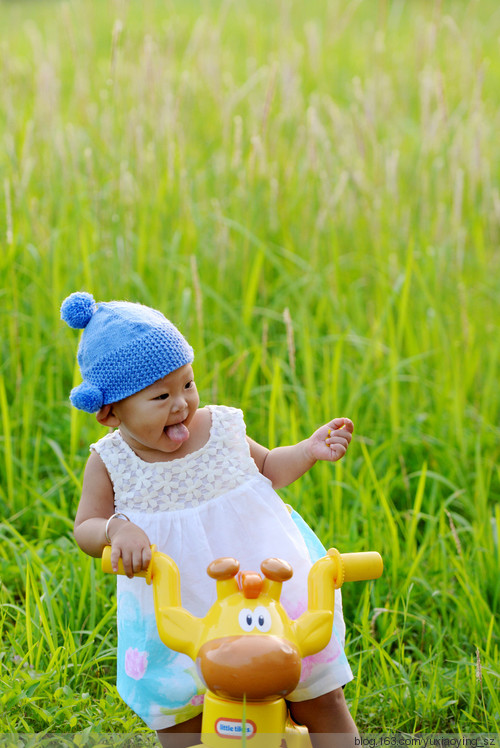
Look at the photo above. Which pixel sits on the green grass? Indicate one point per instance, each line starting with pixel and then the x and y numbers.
pixel 310 191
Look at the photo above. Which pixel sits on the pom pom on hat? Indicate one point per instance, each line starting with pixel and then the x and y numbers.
pixel 77 310
pixel 87 397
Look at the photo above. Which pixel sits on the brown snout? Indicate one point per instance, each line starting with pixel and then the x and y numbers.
pixel 258 667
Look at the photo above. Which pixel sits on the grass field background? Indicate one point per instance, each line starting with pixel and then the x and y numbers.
pixel 311 192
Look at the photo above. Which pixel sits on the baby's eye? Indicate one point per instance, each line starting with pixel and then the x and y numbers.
pixel 163 396
pixel 189 385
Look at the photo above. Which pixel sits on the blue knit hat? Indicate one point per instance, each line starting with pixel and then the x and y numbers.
pixel 124 348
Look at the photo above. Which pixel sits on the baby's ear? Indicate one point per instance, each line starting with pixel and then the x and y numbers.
pixel 106 416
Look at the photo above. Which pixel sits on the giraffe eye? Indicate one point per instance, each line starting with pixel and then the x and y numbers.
pixel 246 619
pixel 262 618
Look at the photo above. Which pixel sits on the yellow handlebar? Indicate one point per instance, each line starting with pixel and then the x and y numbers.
pixel 351 567
pixel 359 567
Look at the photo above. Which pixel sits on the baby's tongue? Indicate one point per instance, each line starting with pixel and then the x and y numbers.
pixel 177 432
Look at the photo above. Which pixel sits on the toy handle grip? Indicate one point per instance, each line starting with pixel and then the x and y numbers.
pixel 359 567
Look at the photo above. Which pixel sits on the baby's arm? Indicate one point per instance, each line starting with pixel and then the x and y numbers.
pixel 128 541
pixel 283 465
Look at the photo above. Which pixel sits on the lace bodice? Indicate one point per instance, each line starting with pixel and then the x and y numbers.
pixel 221 465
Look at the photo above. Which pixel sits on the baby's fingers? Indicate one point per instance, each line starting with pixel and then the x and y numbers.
pixel 133 560
pixel 339 436
pixel 342 438
pixel 146 557
pixel 136 561
pixel 115 557
pixel 127 559
pixel 121 562
pixel 337 451
pixel 342 423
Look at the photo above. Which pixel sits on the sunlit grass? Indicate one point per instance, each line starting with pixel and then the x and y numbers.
pixel 310 191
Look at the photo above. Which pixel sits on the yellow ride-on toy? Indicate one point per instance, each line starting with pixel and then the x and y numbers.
pixel 247 650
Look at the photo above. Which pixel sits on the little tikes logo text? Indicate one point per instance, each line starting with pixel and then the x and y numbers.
pixel 233 728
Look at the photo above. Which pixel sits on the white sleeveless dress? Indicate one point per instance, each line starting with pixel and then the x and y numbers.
pixel 213 502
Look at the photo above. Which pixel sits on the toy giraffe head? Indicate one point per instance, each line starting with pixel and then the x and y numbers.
pixel 246 645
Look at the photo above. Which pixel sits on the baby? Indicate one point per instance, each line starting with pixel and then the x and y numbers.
pixel 189 480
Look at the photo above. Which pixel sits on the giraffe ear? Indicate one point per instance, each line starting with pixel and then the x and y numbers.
pixel 224 571
pixel 276 569
pixel 276 572
pixel 223 568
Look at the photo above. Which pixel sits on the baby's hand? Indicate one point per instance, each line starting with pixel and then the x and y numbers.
pixel 330 442
pixel 131 544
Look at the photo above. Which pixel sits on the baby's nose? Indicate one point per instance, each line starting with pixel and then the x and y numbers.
pixel 179 403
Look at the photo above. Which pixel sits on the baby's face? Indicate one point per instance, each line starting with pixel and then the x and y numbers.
pixel 157 418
